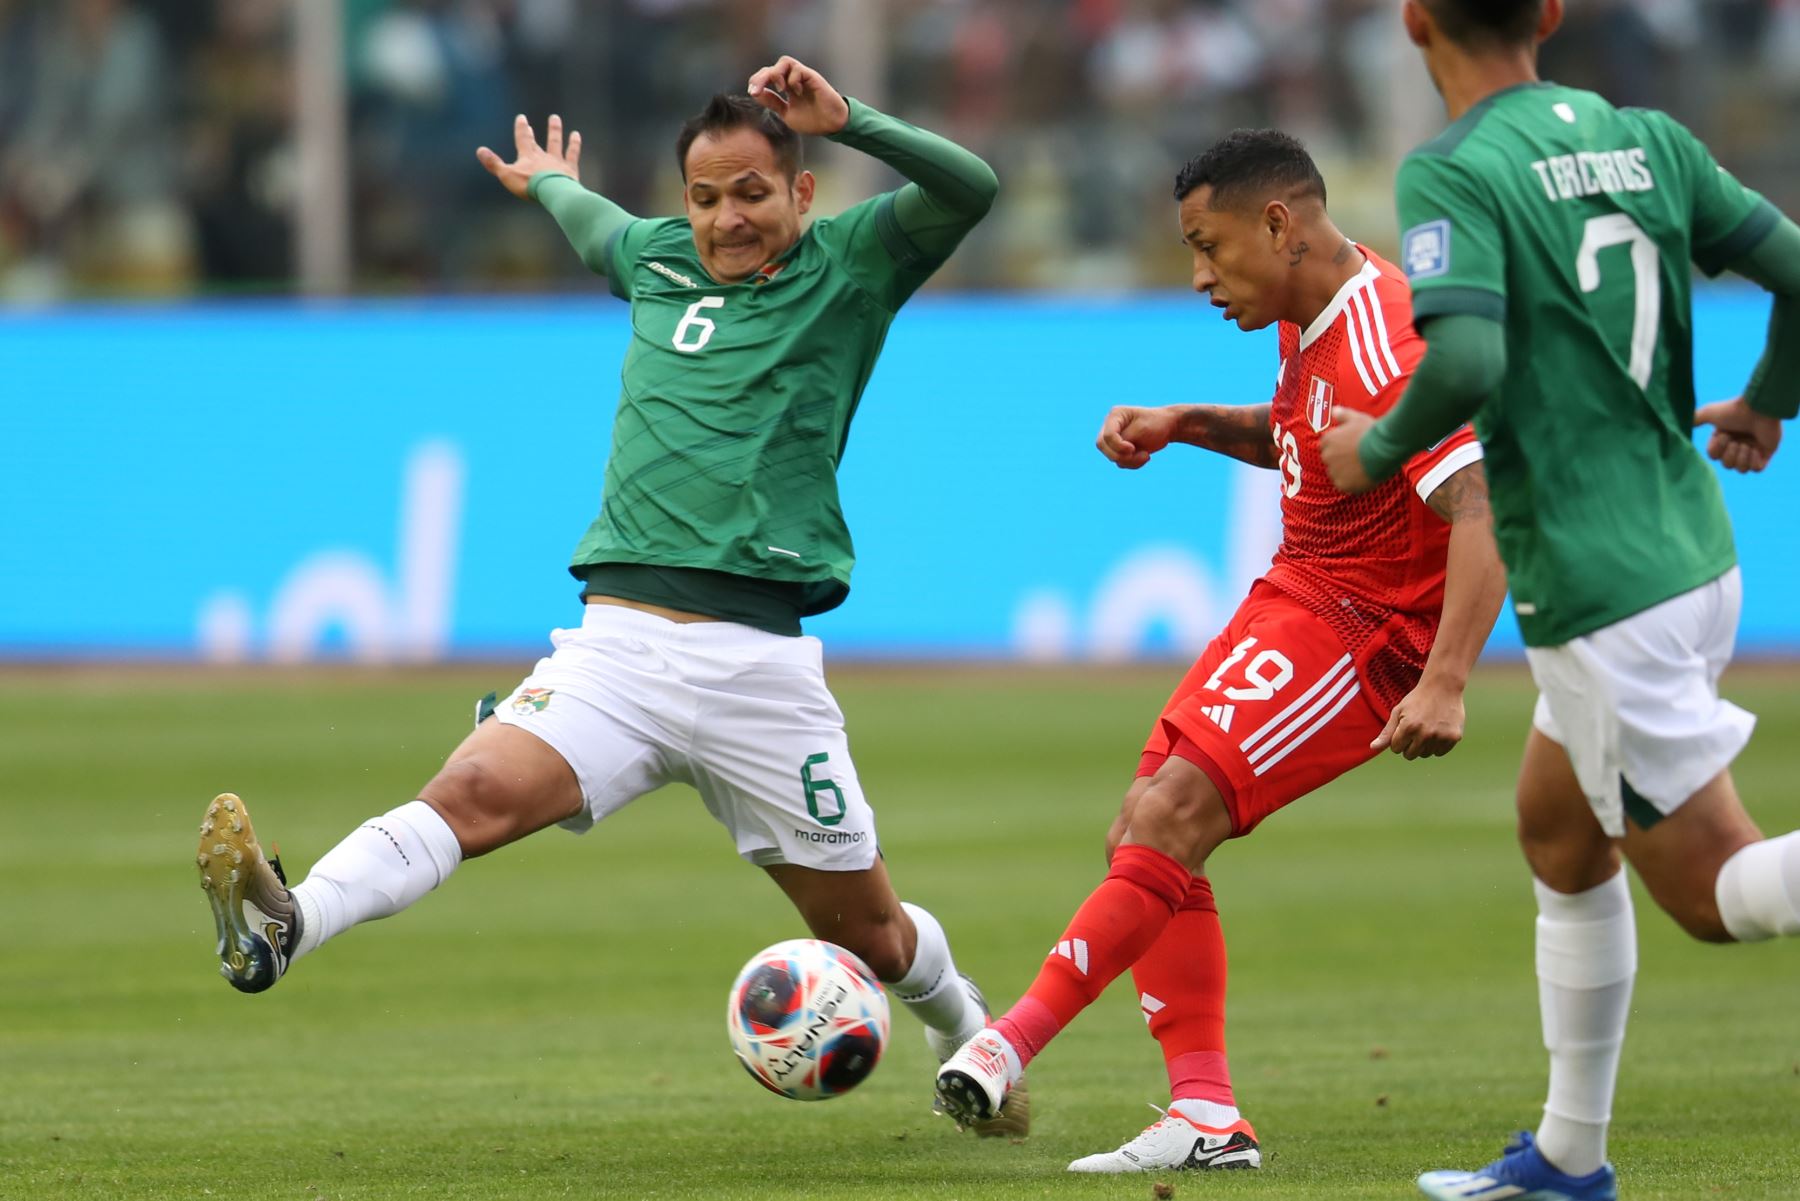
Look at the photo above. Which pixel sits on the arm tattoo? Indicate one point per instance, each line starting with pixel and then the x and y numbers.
pixel 1299 253
pixel 1462 497
pixel 1241 431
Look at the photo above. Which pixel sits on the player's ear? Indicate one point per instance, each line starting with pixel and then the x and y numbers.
pixel 1278 219
pixel 804 183
pixel 1418 23
pixel 1551 19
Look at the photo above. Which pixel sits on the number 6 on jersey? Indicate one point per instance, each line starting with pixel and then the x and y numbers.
pixel 701 327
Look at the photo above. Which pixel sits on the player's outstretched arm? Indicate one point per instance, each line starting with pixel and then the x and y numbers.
pixel 950 190
pixel 1747 431
pixel 1429 720
pixel 551 175
pixel 1132 433
pixel 1465 360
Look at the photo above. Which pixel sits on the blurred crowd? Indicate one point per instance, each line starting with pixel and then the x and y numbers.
pixel 149 146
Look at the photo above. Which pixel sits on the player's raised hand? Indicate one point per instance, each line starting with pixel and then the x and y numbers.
pixel 1742 440
pixel 1338 447
pixel 1428 721
pixel 533 158
pixel 1131 434
pixel 800 96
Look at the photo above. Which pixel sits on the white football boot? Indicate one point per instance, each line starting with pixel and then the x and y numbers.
pixel 973 1083
pixel 256 916
pixel 1014 1118
pixel 1174 1144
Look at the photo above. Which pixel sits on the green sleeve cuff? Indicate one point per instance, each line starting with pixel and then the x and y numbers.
pixel 1465 361
pixel 1750 232
pixel 857 125
pixel 1381 453
pixel 1774 387
pixel 1458 302
pixel 537 182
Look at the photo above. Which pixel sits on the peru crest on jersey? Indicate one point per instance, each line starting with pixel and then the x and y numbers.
pixel 1318 403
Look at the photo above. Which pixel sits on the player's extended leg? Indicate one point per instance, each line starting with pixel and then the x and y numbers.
pixel 1176 822
pixel 1586 962
pixel 1180 982
pixel 501 784
pixel 905 946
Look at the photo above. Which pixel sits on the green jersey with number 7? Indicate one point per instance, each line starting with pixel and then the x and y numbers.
pixel 1574 222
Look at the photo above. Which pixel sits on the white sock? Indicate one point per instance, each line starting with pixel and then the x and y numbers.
pixel 385 865
pixel 1759 889
pixel 1586 960
pixel 1206 1113
pixel 931 989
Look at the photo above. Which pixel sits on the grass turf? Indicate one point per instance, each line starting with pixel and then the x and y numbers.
pixel 550 1024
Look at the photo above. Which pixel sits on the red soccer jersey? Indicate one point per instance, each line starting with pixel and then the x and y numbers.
pixel 1372 566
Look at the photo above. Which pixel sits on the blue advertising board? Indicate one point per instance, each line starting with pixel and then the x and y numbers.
pixel 405 481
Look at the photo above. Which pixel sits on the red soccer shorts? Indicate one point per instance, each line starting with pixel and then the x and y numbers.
pixel 1272 710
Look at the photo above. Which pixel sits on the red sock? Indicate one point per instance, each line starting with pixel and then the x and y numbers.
pixel 1114 926
pixel 1181 986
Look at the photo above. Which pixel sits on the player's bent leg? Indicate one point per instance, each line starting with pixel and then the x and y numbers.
pixel 905 946
pixel 1681 857
pixel 857 910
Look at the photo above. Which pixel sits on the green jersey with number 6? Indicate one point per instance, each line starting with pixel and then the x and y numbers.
pixel 1574 222
pixel 736 400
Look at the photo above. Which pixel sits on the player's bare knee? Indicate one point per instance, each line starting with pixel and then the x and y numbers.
pixel 487 808
pixel 1180 820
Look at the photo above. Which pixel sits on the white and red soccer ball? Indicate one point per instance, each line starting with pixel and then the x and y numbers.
pixel 807 1019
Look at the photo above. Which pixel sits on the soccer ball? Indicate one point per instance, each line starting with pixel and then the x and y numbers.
pixel 807 1019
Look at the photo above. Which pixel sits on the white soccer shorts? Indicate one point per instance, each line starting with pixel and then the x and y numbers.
pixel 633 701
pixel 1639 699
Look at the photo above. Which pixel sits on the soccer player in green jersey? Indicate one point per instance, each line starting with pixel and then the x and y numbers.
pixel 719 530
pixel 1547 238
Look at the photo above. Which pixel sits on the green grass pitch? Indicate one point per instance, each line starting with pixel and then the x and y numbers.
pixel 551 1023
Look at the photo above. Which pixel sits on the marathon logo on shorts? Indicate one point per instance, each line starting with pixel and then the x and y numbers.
pixel 831 838
pixel 532 700
pixel 1426 249
pixel 1318 403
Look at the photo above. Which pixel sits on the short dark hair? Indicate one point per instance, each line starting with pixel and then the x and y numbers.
pixel 1247 164
pixel 735 110
pixel 1479 23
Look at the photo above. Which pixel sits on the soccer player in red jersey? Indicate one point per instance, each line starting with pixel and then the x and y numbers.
pixel 1359 637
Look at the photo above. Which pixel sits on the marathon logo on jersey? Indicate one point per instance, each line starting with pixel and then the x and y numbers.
pixel 671 275
pixel 1426 249
pixel 1318 403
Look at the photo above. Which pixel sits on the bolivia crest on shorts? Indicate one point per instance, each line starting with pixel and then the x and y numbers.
pixel 1318 402
pixel 532 700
